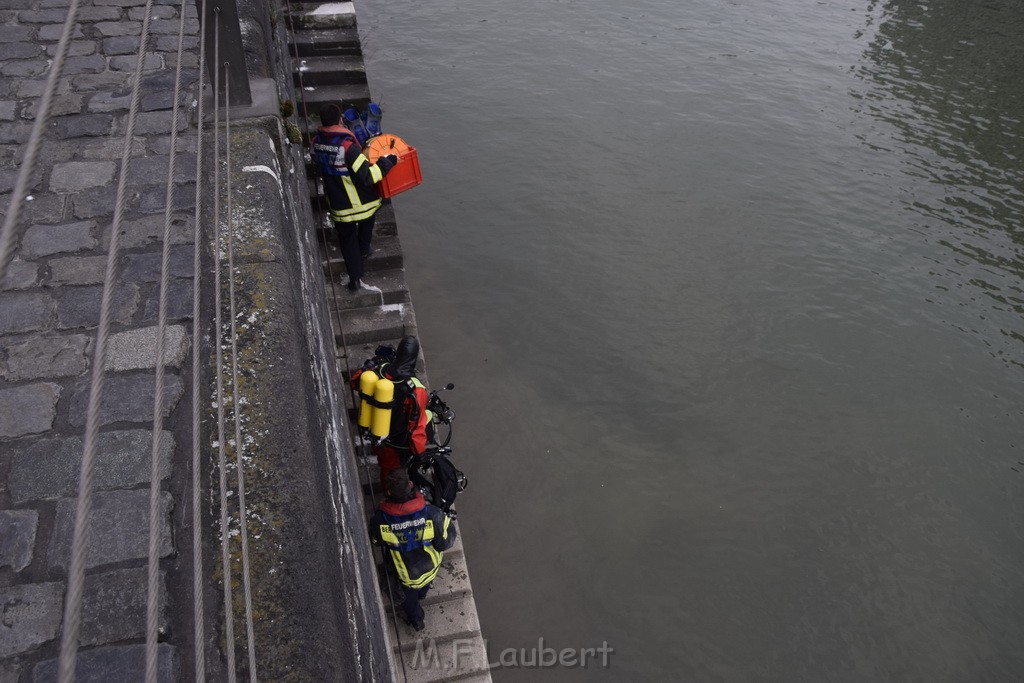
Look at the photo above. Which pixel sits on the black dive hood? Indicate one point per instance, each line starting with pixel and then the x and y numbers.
pixel 406 355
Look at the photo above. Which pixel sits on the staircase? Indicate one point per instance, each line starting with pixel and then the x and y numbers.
pixel 327 65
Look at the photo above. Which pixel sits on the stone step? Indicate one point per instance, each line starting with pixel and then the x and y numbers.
pixel 305 16
pixel 372 323
pixel 446 620
pixel 386 255
pixel 451 583
pixel 380 288
pixel 452 659
pixel 345 95
pixel 330 70
pixel 322 42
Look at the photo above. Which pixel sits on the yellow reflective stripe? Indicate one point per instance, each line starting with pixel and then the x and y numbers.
pixel 427 534
pixel 400 568
pixel 387 535
pixel 356 213
pixel 360 160
pixel 350 190
pixel 376 174
pixel 444 530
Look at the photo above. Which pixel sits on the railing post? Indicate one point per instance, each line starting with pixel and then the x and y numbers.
pixel 231 50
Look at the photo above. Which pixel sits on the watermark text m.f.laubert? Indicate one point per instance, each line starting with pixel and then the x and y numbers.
pixel 471 652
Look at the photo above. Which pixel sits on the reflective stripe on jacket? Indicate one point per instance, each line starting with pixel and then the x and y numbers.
pixel 414 535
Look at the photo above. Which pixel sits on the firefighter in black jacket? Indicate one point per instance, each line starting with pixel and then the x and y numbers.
pixel 350 186
pixel 414 535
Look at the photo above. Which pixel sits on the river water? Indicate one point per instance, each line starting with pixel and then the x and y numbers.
pixel 733 297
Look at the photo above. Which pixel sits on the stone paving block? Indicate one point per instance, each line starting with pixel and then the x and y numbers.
pixel 29 616
pixel 14 132
pixel 74 176
pixel 153 199
pixel 126 398
pixel 20 275
pixel 82 125
pixel 96 201
pixel 103 81
pixel 7 108
pixel 17 537
pixel 25 68
pixel 45 208
pixel 77 270
pixel 77 48
pixel 24 312
pixel 99 14
pixel 137 13
pixel 90 64
pixel 170 43
pixel 114 606
pixel 48 16
pixel 161 144
pixel 80 306
pixel 14 34
pixel 29 409
pixel 120 3
pixel 49 468
pixel 153 170
pixel 19 50
pixel 118 528
pixel 10 671
pixel 179 301
pixel 151 62
pixel 169 27
pixel 60 106
pixel 121 45
pixel 154 122
pixel 53 31
pixel 109 664
pixel 45 357
pixel 150 230
pixel 136 349
pixel 107 101
pixel 146 267
pixel 107 149
pixel 35 88
pixel 120 28
pixel 46 240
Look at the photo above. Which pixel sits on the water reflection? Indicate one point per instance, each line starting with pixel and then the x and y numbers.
pixel 946 78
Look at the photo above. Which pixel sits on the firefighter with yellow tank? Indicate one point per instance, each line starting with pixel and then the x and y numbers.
pixel 414 536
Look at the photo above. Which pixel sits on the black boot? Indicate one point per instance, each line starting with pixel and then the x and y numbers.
pixel 354 284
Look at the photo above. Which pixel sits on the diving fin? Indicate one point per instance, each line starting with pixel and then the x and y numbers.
pixel 355 124
pixel 371 119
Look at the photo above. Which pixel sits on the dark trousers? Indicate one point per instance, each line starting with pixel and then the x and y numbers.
pixel 354 239
pixel 411 604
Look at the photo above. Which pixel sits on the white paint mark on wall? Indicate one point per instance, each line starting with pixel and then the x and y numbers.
pixel 334 8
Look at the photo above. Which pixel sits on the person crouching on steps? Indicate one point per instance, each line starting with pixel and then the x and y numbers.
pixel 350 188
pixel 414 534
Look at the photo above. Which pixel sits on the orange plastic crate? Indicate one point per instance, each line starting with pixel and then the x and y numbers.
pixel 406 174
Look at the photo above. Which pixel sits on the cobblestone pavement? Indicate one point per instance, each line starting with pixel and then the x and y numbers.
pixel 49 309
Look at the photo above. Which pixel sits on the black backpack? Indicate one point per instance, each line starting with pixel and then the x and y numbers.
pixel 444 483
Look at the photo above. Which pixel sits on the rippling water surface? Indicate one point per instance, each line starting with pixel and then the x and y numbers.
pixel 733 294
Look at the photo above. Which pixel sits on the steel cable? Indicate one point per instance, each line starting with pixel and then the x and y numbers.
pixel 28 161
pixel 153 560
pixel 243 525
pixel 80 539
pixel 229 626
pixel 197 539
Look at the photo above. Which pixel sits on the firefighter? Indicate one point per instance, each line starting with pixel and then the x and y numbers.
pixel 350 186
pixel 414 536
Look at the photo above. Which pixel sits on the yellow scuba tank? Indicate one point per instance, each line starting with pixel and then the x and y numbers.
pixel 383 393
pixel 366 382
